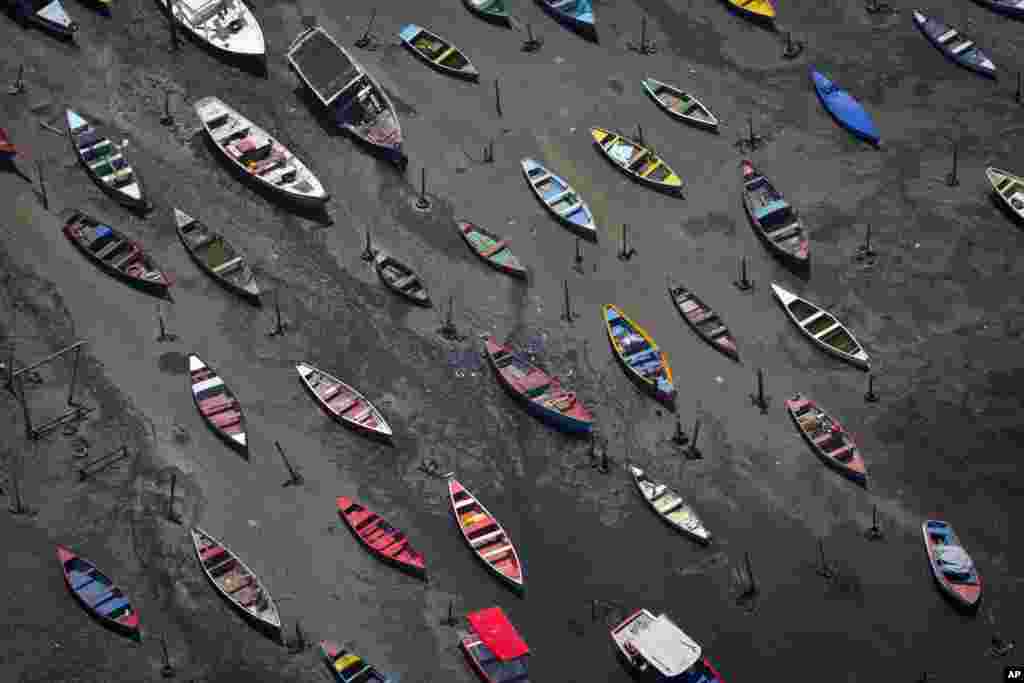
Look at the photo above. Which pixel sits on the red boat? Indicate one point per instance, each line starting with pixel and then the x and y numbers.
pixel 116 253
pixel 217 404
pixel 951 565
pixel 97 593
pixel 7 149
pixel 380 538
pixel 832 444
pixel 495 649
pixel 485 536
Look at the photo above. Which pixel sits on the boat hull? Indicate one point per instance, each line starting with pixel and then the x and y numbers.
pixel 583 25
pixel 932 29
pixel 159 288
pixel 381 434
pixel 419 571
pixel 139 203
pixel 253 297
pixel 845 110
pixel 127 625
pixel 518 585
pixel 498 18
pixel 665 395
pixel 1006 9
pixel 409 33
pixel 968 599
pixel 854 475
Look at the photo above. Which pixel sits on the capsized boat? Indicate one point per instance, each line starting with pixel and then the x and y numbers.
pixel 380 538
pixel 116 253
pixel 401 279
pixel 636 160
pixel 575 14
pixel 491 248
pixel 670 507
pixel 848 112
pixel 348 667
pixel 1008 187
pixel 48 15
pixel 656 649
pixel 827 438
pixel 217 404
pixel 955 45
pixel 560 199
pixel 703 320
pixel 774 219
pixel 822 328
pixel 679 104
pixel 952 567
pixel 493 11
pixel 494 648
pixel 105 162
pixel 225 25
pixel 437 52
pixel 757 10
pixel 639 355
pixel 343 402
pixel 485 536
pixel 217 257
pixel 97 593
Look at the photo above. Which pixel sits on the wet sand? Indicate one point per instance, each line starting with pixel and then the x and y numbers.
pixel 939 313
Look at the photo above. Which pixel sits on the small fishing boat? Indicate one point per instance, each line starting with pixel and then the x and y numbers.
pixel 104 161
pixel 494 648
pixel 758 10
pixel 236 582
pixel 263 159
pixel 1011 8
pixel 639 355
pixel 560 199
pixel 491 248
pixel 542 394
pixel 952 567
pixel 217 404
pixel 656 649
pixel 1009 188
pixel 775 221
pixel 225 25
pixel 380 538
pixel 217 257
pixel 355 101
pixel 7 149
pixel 343 402
pixel 98 594
pixel 401 279
pixel 347 667
pixel 485 536
pixel 437 52
pixel 637 161
pixel 493 11
pixel 48 15
pixel 679 104
pixel 703 320
pixel 848 112
pixel 575 14
pixel 827 438
pixel 116 253
pixel 821 328
pixel 955 45
pixel 670 507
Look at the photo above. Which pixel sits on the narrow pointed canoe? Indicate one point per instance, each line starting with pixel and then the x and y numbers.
pixel 679 104
pixel 827 438
pixel 380 538
pixel 48 15
pixel 105 162
pixel 758 10
pixel 437 52
pixel 543 395
pixel 704 321
pixel 494 648
pixel 560 199
pixel 775 221
pixel 1011 8
pixel 670 507
pixel 236 582
pixel 97 593
pixel 637 161
pixel 116 253
pixel 493 11
pixel 217 404
pixel 401 279
pixel 485 536
pixel 263 159
pixel 347 667
pixel 491 248
pixel 225 25
pixel 217 257
pixel 343 402
pixel 848 112
pixel 955 45
pixel 577 15
pixel 821 328
pixel 1009 187
pixel 639 355
pixel 7 149
pixel 952 567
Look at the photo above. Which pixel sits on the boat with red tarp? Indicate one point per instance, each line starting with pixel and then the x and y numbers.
pixel 655 649
pixel 952 567
pixel 494 648
pixel 98 594
pixel 485 536
pixel 380 538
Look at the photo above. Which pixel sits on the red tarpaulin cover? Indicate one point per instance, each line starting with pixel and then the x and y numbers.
pixel 498 633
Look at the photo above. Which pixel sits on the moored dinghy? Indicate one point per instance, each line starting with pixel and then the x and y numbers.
pixel 343 402
pixel 679 104
pixel 821 328
pixel 848 112
pixel 670 507
pixel 348 667
pixel 636 160
pixel 380 538
pixel 952 567
pixel 560 199
pixel 1009 188
pixel 48 15
pixel 576 14
pixel 704 321
pixel 1011 8
pixel 217 257
pixel 104 161
pixel 401 279
pixel 489 10
pixel 494 648
pixel 225 25
pixel 830 442
pixel 491 248
pixel 485 536
pixel 437 52
pixel 116 253
pixel 955 45
pixel 97 593
pixel 217 404
pixel 774 219
pixel 639 355
pixel 656 649
pixel 757 10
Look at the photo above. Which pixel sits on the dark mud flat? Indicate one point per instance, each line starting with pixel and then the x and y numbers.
pixel 939 311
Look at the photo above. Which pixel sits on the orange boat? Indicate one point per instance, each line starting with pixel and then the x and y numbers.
pixel 485 536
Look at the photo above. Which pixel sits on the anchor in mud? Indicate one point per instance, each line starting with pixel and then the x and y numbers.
pixel 877 7
pixel 430 468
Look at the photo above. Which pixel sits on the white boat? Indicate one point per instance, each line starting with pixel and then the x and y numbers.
pixel 226 25
pixel 821 328
pixel 105 162
pixel 670 507
pixel 560 199
pixel 656 649
pixel 1009 187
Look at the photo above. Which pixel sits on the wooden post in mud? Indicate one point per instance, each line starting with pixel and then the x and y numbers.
pixel 497 97
pixel 23 399
pixel 164 336
pixel 870 395
pixel 1020 88
pixel 172 26
pixel 751 584
pixel 281 325
pixel 759 398
pixel 170 499
pixel 824 570
pixel 167 119
pixel 680 438
pixel 952 180
pixel 864 251
pixel 626 252
pixel 448 329
pixel 567 315
pixel 17 508
pixel 875 532
pixel 450 620
pixel 19 85
pixel 42 186
pixel 578 262
pixel 694 453
pixel 74 378
pixel 364 40
pixel 743 284
pixel 639 134
pixel 167 671
pixel 294 478
pixel 369 253
pixel 531 44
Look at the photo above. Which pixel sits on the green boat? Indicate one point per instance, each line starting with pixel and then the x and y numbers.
pixel 489 10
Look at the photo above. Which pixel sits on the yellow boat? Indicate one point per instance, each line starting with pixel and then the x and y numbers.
pixel 636 161
pixel 759 10
pixel 639 354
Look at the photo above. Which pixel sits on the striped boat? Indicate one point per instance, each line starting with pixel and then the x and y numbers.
pixel 639 355
pixel 1009 188
pixel 560 199
pixel 343 402
pixel 98 594
pixel 105 162
pixel 217 404
pixel 485 536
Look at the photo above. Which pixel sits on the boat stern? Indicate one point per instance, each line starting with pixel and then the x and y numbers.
pixel 408 32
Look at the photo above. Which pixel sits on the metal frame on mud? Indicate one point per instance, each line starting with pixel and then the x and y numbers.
pixel 76 410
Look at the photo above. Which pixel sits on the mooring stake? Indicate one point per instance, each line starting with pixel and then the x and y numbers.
pixel 167 671
pixel 423 203
pixel 626 252
pixel 759 399
pixel 743 284
pixel 300 639
pixel 167 119
pixel 364 40
pixel 18 508
pixel 170 499
pixel 172 26
pixel 870 396
pixel 875 532
pixel 604 467
pixel 824 569
pixel 450 620
pixel 164 336
pixel 793 47
pixel 489 152
pixel 1020 89
pixel 578 261
pixel 281 326
pixel 42 186
pixel 294 478
pixel 952 180
pixel 531 44
pixel 448 329
pixel 18 87
pixel 864 251
pixel 751 589
pixel 369 253
pixel 680 438
pixel 568 316
pixel 693 453
pixel 497 97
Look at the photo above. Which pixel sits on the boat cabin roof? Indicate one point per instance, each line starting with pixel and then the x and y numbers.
pixel 498 634
pixel 324 66
pixel 662 643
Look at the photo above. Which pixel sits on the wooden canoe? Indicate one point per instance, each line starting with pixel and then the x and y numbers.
pixel 491 248
pixel 775 221
pixel 703 320
pixel 227 26
pixel 494 648
pixel 560 199
pixel 848 112
pixel 7 149
pixel 217 257
pixel 261 158
pixel 1009 188
pixel 217 404
pixel 105 162
pixel 401 279
pixel 670 507
pixel 955 45
pixel 542 394
pixel 637 161
pixel 821 328
pixel 98 594
pixel 343 402
pixel 236 582
pixel 951 566
pixel 827 438
pixel 347 667
pixel 437 52
pixel 383 540
pixel 48 15
pixel 679 104
pixel 493 11
pixel 116 253
pixel 577 15
pixel 757 10
pixel 639 355
pixel 485 536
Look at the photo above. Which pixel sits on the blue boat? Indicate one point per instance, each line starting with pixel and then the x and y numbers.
pixel 576 14
pixel 48 15
pixel 955 45
pixel 847 111
pixel 1011 8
